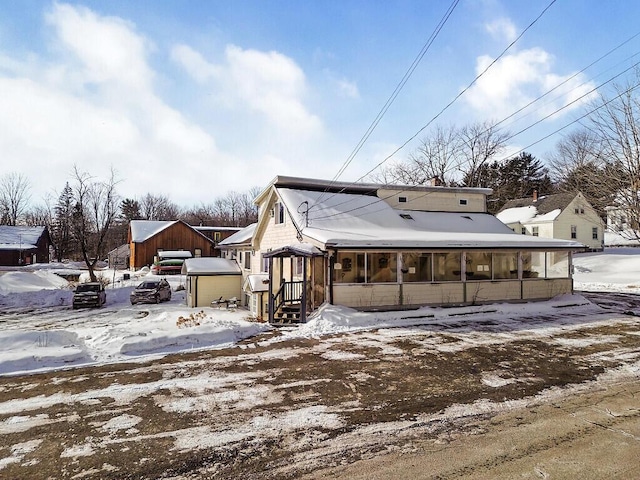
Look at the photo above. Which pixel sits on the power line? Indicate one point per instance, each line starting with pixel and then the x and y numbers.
pixel 457 96
pixel 396 91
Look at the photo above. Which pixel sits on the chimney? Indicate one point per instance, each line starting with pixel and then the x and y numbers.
pixel 535 196
pixel 434 182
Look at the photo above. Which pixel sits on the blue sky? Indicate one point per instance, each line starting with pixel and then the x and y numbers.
pixel 194 99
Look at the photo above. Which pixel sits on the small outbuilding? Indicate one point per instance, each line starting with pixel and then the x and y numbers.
pixel 20 245
pixel 211 278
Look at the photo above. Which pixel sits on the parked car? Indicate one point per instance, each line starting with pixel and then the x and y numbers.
pixel 90 294
pixel 151 291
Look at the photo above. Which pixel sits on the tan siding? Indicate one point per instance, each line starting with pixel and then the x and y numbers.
pixel 366 295
pixel 584 222
pixel 545 289
pixel 205 289
pixel 445 201
pixel 493 291
pixel 432 293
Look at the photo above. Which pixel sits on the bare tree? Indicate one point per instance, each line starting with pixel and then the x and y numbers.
pixel 14 197
pixel 158 207
pixel 479 144
pixel 615 125
pixel 578 164
pixel 96 205
pixel 452 155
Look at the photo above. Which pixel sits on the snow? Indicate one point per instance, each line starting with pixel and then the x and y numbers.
pixel 357 220
pixel 528 214
pixel 55 336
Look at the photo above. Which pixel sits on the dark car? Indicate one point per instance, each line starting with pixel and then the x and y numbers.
pixel 151 291
pixel 90 294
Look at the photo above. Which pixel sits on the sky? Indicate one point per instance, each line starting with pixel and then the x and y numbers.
pixel 193 100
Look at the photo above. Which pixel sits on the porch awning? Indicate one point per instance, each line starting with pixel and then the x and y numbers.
pixel 297 250
pixel 257 283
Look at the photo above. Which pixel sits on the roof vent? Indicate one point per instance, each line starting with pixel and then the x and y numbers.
pixel 406 216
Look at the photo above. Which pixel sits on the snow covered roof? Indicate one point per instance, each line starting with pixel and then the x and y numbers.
pixel 361 221
pixel 243 237
pixel 526 215
pixel 142 230
pixel 258 282
pixel 210 266
pixel 171 254
pixel 20 237
pixel 298 249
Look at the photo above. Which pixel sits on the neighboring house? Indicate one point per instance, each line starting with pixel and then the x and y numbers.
pixel 24 245
pixel 370 246
pixel 622 228
pixel 119 257
pixel 148 237
pixel 238 247
pixel 566 216
pixel 210 279
pixel 217 234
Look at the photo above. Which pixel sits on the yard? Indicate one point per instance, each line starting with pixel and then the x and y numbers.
pixel 482 392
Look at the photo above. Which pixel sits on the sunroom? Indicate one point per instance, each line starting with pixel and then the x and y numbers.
pixel 390 278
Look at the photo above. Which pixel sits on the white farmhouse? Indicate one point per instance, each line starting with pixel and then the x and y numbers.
pixel 567 216
pixel 371 246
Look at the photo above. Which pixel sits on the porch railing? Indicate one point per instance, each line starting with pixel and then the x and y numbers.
pixel 289 292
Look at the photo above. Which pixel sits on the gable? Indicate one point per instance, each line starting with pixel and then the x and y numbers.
pixel 15 237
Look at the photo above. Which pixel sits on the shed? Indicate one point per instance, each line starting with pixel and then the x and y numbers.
pixel 21 245
pixel 211 278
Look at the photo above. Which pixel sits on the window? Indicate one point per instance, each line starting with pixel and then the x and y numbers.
pixel 402 199
pixel 382 267
pixel 198 252
pixel 278 210
pixel 505 265
pixel 463 201
pixel 575 210
pixel 524 231
pixel 416 267
pixel 557 264
pixel 446 267
pixel 574 231
pixel 533 264
pixel 216 236
pixel 582 211
pixel 534 231
pixel 247 260
pixel 594 233
pixel 297 266
pixel 349 267
pixel 265 265
pixel 478 266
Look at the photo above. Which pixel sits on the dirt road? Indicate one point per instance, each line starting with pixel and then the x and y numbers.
pixel 590 435
pixel 553 396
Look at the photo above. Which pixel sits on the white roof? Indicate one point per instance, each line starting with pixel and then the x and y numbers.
pixel 528 214
pixel 258 282
pixel 244 236
pixel 353 220
pixel 210 266
pixel 16 238
pixel 142 230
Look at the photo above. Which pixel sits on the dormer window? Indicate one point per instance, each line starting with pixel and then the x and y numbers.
pixel 463 201
pixel 402 199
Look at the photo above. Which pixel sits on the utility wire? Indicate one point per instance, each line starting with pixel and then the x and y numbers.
pixel 396 92
pixel 473 82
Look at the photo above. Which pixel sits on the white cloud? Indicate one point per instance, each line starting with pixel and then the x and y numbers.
pixel 266 82
pixel 502 29
pixel 520 78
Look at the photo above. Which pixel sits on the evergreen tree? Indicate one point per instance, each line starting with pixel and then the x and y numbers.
pixel 61 225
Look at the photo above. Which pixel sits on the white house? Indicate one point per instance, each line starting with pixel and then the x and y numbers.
pixel 372 246
pixel 567 216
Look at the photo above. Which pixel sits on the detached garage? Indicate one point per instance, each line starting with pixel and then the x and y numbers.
pixel 209 278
